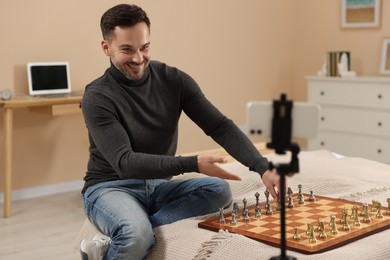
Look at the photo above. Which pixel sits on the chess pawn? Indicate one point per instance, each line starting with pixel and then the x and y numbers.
pixel 246 215
pixel 308 229
pixel 235 209
pixel 258 212
pixel 334 229
pixel 312 238
pixel 221 216
pixel 296 235
pixel 233 221
pixel 312 197
pixel 356 221
pixel 269 209
pixel 354 209
pixel 290 202
pixel 364 210
pixel 366 218
pixel 301 199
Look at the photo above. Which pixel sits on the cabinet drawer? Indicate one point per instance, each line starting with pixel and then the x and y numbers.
pixel 357 121
pixel 353 145
pixel 350 94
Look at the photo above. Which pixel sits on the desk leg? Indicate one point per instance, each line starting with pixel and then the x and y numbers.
pixel 8 121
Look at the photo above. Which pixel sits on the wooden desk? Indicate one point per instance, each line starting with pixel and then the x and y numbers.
pixel 56 105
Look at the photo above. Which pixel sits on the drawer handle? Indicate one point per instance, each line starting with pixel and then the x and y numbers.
pixel 379 123
pixel 380 96
pixel 322 93
pixel 379 151
pixel 322 118
pixel 322 143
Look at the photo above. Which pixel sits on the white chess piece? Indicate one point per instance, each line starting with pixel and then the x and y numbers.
pixel 343 67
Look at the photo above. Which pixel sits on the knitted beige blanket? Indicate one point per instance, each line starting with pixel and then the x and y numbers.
pixel 353 179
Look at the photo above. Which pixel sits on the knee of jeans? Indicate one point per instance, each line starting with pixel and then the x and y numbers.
pixel 134 240
pixel 223 192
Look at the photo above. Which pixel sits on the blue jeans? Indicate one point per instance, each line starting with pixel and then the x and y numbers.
pixel 128 210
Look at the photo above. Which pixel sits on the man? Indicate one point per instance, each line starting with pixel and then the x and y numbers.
pixel 132 115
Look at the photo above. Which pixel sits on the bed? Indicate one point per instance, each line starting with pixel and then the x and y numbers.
pixel 325 173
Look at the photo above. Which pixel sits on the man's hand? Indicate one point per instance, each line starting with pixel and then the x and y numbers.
pixel 207 164
pixel 270 180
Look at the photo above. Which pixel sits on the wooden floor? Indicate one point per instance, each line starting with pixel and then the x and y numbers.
pixel 42 228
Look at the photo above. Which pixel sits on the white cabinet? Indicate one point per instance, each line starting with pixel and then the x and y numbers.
pixel 354 116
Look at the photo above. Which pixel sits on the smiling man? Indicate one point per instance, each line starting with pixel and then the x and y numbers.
pixel 132 114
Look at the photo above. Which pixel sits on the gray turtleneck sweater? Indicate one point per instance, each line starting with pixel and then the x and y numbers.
pixel 133 126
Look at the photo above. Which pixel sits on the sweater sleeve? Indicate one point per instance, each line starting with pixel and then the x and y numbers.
pixel 222 129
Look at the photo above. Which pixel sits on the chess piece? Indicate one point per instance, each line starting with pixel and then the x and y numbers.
pixel 269 210
pixel 245 206
pixel 346 226
pixel 366 218
pixel 258 211
pixel 246 215
pixel 289 191
pixel 257 195
pixel 379 214
pixel 344 214
pixel 301 198
pixel 356 221
pixel 312 238
pixel 353 209
pixel 299 188
pixel 321 225
pixel 221 216
pixel 312 197
pixel 332 219
pixel 364 209
pixel 334 229
pixel 235 209
pixel 233 221
pixel 290 202
pixel 296 235
pixel 308 229
pixel 266 193
pixel 374 206
pixel 279 207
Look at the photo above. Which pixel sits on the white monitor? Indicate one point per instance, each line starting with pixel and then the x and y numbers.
pixel 305 119
pixel 45 78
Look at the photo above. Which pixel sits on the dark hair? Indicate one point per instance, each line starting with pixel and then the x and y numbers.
pixel 122 15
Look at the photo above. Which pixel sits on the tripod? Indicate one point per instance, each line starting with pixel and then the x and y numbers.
pixel 281 142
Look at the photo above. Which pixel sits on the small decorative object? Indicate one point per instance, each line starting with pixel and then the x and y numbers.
pixel 343 67
pixel 385 58
pixel 324 70
pixel 360 13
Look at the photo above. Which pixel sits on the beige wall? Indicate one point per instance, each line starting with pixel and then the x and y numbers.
pixel 236 50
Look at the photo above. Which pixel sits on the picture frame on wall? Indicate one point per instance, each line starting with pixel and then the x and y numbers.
pixel 360 13
pixel 385 57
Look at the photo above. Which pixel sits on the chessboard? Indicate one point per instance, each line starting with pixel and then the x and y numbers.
pixel 309 226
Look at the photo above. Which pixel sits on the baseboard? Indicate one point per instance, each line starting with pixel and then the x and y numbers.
pixel 40 191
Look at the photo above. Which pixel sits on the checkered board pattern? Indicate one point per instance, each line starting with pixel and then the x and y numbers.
pixel 267 228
